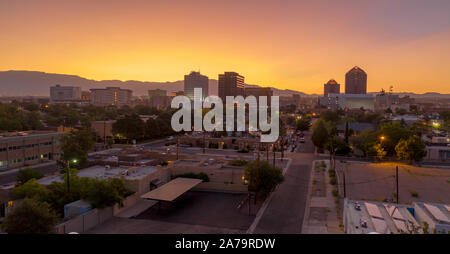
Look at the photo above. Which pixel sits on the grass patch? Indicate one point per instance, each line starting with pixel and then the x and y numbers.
pixel 335 192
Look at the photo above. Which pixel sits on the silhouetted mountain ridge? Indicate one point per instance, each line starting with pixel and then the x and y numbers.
pixel 35 83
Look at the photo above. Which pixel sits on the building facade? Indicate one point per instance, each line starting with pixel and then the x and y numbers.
pixel 21 149
pixel 160 101
pixel 348 101
pixel 259 91
pixel 356 81
pixel 60 93
pixel 331 87
pixel 154 92
pixel 231 84
pixel 195 80
pixel 111 96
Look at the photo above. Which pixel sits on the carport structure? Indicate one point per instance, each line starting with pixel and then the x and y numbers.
pixel 172 190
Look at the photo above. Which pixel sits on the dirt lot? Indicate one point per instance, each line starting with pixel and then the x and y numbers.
pixel 376 181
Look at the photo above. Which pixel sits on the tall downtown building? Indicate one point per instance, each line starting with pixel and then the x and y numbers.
pixel 195 80
pixel 230 84
pixel 331 87
pixel 356 81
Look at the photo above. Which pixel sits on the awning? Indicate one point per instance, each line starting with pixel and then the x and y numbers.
pixel 172 190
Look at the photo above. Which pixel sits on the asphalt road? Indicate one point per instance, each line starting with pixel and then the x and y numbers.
pixel 285 210
pixel 10 177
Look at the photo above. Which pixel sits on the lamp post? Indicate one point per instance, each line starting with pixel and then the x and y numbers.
pixel 68 174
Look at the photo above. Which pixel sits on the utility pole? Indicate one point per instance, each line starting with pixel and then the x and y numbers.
pixel 396 180
pixel 259 149
pixel 177 147
pixel 68 178
pixel 274 155
pixel 343 178
pixel 204 133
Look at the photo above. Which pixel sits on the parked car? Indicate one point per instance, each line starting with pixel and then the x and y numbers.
pixel 302 140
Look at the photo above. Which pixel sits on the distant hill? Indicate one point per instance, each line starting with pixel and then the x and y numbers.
pixel 35 83
pixel 23 83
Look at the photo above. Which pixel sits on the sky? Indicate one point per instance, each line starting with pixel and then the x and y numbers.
pixel 296 45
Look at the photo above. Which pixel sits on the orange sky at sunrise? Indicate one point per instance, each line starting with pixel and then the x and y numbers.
pixel 296 45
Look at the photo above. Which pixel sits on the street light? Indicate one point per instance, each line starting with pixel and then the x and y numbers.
pixel 382 138
pixel 68 173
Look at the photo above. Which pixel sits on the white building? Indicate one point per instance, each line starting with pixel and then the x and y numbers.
pixel 60 93
pixel 364 217
pixel 111 96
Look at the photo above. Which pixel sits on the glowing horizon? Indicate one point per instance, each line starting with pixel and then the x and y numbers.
pixel 297 45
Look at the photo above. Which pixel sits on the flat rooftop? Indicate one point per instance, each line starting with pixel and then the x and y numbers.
pixel 101 172
pixel 363 217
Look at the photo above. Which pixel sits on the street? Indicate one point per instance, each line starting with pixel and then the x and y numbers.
pixel 285 209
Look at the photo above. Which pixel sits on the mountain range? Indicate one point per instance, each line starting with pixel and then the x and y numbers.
pixel 35 83
pixel 27 83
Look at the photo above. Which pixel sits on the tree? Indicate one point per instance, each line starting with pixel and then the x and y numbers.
pixel 76 145
pixel 104 193
pixel 320 134
pixel 303 124
pixel 380 152
pixel 334 144
pixel 131 127
pixel 412 149
pixel 262 177
pixel 27 174
pixel 30 189
pixel 30 217
pixel 365 141
pixel 331 116
pixel 290 120
pixel 393 133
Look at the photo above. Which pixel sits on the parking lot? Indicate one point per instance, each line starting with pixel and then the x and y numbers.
pixel 210 209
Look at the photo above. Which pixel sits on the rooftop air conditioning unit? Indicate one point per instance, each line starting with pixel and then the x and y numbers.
pixel 363 223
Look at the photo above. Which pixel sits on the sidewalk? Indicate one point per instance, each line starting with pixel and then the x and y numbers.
pixel 320 212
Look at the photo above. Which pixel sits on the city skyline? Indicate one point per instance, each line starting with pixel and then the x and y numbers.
pixel 283 44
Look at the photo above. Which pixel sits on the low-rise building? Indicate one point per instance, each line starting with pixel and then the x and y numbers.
pixel 103 129
pixel 18 149
pixel 348 101
pixel 437 152
pixel 366 217
pixel 136 178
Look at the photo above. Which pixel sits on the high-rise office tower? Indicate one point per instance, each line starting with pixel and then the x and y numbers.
pixel 230 84
pixel 331 87
pixel 356 81
pixel 111 96
pixel 195 80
